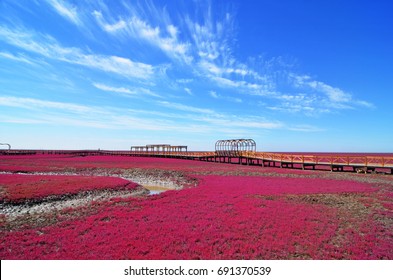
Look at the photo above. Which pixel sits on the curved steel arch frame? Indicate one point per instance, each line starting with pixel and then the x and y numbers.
pixel 234 147
pixel 6 144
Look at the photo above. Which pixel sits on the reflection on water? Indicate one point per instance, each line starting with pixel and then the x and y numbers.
pixel 154 190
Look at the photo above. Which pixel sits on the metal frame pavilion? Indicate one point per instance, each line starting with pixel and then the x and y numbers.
pixel 235 147
pixel 6 144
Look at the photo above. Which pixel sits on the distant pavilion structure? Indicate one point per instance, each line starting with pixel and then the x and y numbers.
pixel 158 148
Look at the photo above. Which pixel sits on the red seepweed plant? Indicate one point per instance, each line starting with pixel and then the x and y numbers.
pixel 20 188
pixel 236 213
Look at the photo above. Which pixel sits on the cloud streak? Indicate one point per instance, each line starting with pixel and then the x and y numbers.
pixel 166 38
pixel 201 119
pixel 125 90
pixel 32 103
pixel 48 47
pixel 19 58
pixel 113 89
pixel 66 10
pixel 333 97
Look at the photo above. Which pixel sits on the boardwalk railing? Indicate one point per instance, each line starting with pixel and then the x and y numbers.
pixel 334 162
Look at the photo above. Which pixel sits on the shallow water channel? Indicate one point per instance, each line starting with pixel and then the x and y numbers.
pixel 154 190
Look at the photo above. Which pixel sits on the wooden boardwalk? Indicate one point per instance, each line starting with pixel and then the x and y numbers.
pixel 337 162
pixel 332 162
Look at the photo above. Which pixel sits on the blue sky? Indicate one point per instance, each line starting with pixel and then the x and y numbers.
pixel 292 75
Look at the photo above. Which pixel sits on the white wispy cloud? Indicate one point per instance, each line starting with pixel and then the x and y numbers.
pixel 50 48
pixel 66 10
pixel 365 104
pixel 262 124
pixel 245 122
pixel 219 121
pixel 113 89
pixel 125 90
pixel 189 91
pixel 334 97
pixel 211 40
pixel 71 114
pixel 111 28
pixel 287 107
pixel 209 36
pixel 305 128
pixel 334 94
pixel 31 103
pixel 103 117
pixel 18 58
pixel 186 108
pixel 204 44
pixel 184 81
pixel 213 94
pixel 307 104
pixel 17 120
pixel 313 98
pixel 166 38
pixel 113 64
pixel 251 88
